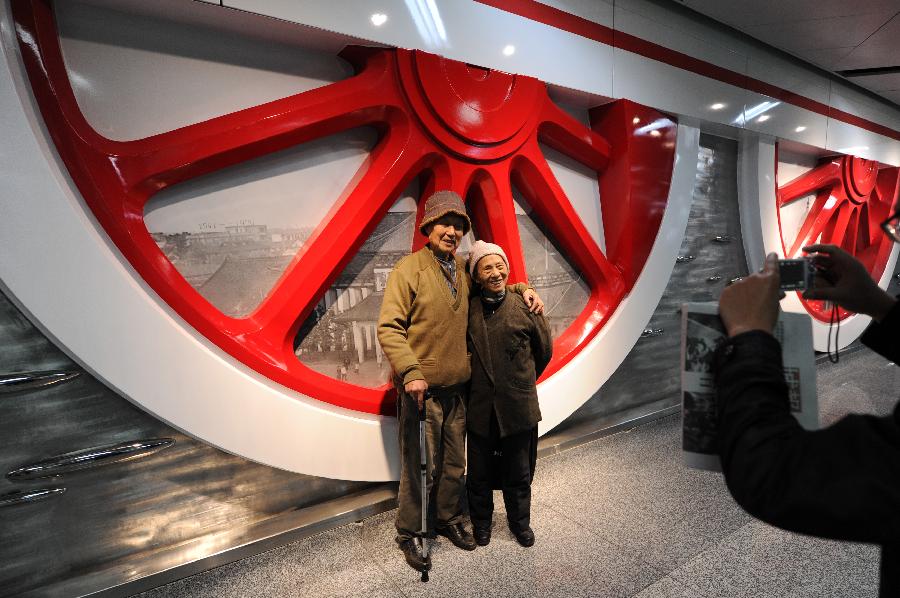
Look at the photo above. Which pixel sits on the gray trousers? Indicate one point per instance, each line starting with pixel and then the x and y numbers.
pixel 445 431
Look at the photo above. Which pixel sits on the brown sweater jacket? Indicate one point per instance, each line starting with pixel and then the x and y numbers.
pixel 422 327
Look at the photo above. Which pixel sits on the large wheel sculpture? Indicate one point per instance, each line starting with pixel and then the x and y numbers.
pixel 456 126
pixel 850 197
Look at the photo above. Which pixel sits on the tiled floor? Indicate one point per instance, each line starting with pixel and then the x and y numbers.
pixel 618 517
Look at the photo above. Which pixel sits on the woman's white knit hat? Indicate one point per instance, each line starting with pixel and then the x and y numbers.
pixel 481 249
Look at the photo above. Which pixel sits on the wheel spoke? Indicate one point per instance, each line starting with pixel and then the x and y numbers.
pixel 533 177
pixel 836 232
pixel 161 160
pixel 565 134
pixel 825 175
pixel 814 223
pixel 334 243
pixel 494 212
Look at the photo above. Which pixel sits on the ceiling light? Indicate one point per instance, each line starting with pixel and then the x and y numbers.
pixel 378 19
pixel 655 133
pixel 509 50
pixel 763 118
pixel 717 106
pixel 799 129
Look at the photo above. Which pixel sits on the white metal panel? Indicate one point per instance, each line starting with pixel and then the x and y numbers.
pixel 671 89
pixel 847 139
pixel 465 31
pixel 774 117
pixel 855 102
pixel 787 75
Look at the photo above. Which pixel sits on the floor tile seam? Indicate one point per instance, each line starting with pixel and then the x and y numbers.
pixel 688 584
pixel 704 550
pixel 683 584
pixel 614 543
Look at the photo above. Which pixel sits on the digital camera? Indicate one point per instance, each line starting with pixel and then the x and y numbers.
pixel 796 274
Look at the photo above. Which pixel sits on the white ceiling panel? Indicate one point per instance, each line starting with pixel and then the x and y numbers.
pixel 889 32
pixel 834 32
pixel 835 35
pixel 868 56
pixel 741 13
pixel 887 82
pixel 827 58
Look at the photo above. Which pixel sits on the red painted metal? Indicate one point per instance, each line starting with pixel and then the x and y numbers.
pixel 456 126
pixel 852 196
pixel 637 176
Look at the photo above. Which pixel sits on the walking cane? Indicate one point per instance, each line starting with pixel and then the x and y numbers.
pixel 423 465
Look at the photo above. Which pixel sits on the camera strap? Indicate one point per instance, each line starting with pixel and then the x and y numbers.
pixel 834 324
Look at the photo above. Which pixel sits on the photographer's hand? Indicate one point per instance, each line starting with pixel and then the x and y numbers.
pixel 844 280
pixel 752 302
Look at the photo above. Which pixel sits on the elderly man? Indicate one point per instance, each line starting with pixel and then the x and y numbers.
pixel 422 330
pixel 841 482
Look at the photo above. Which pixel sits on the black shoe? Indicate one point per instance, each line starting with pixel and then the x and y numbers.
pixel 482 535
pixel 458 534
pixel 414 556
pixel 525 537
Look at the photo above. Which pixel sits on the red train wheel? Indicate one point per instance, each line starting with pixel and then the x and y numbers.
pixel 463 127
pixel 852 196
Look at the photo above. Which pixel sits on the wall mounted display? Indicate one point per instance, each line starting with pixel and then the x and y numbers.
pixel 284 299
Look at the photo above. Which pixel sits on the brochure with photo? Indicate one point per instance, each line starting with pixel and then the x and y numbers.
pixel 701 334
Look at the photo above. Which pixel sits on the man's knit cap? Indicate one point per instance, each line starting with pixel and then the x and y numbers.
pixel 440 204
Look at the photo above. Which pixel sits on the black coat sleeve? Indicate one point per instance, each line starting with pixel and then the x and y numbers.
pixel 840 482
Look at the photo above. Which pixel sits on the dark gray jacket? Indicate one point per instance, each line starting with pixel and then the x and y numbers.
pixel 505 366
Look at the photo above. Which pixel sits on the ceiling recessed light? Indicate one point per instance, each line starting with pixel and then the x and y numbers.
pixel 378 19
pixel 717 106
pixel 799 129
pixel 635 120
pixel 655 133
pixel 509 50
pixel 763 118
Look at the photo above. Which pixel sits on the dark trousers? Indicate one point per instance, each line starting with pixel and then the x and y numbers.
pixel 445 438
pixel 504 463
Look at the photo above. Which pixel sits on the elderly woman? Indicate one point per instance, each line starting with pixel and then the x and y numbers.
pixel 510 348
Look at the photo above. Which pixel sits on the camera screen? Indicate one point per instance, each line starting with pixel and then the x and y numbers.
pixel 793 271
pixel 794 274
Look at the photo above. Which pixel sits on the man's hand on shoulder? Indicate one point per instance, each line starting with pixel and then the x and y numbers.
pixel 533 301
